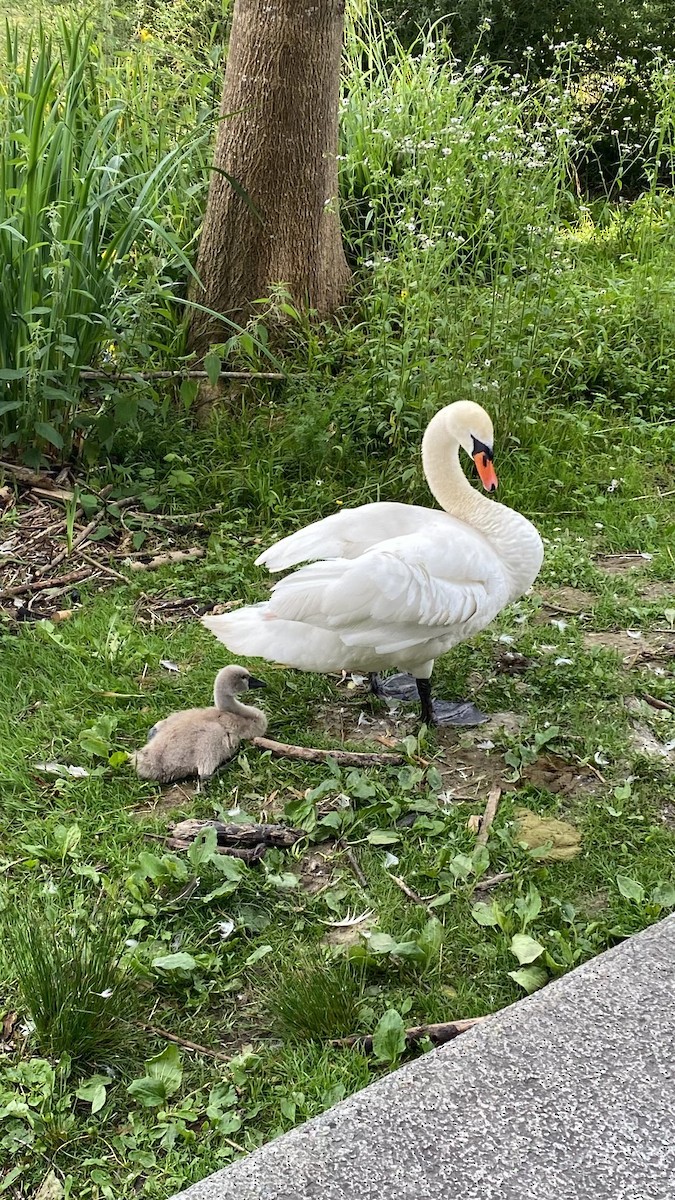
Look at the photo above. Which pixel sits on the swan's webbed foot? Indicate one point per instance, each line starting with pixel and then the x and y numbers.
pixel 433 712
pixel 447 712
pixel 395 687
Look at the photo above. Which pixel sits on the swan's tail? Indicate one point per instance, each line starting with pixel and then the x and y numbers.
pixel 255 632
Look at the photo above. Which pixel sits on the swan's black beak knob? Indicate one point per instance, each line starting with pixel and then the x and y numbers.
pixel 255 683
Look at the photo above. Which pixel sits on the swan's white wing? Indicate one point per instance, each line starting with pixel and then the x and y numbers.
pixel 403 593
pixel 350 532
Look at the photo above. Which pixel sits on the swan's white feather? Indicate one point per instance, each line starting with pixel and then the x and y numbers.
pixel 350 532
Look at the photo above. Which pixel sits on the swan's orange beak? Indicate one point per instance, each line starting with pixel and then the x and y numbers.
pixel 486 470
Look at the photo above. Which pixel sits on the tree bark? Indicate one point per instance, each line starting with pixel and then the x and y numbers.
pixel 278 140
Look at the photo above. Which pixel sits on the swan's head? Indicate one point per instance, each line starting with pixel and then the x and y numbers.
pixel 471 426
pixel 232 681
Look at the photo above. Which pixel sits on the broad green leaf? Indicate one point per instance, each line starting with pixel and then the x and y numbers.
pixel 461 866
pixel 255 957
pixel 383 837
pixel 484 914
pixel 213 366
pixel 443 899
pixel 12 373
pixel 151 1093
pixel 525 948
pixel 664 894
pixel 529 978
pixel 167 1067
pixel 381 943
pixel 93 1091
pixel 47 431
pixel 528 907
pixel 286 880
pixel 67 838
pixel 630 888
pixel 174 962
pixel 203 849
pixel 389 1037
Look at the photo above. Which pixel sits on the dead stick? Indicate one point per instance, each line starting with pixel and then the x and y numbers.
pixel 355 866
pixel 37 585
pixel 103 567
pixel 167 559
pixel 438 1034
pixel 134 376
pixel 489 815
pixel 484 885
pixel 407 891
pixel 179 1041
pixel 347 758
pixel 656 703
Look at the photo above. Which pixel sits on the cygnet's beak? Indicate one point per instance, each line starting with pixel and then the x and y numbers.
pixel 486 470
pixel 255 683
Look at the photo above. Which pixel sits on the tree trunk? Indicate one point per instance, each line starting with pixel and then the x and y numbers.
pixel 278 140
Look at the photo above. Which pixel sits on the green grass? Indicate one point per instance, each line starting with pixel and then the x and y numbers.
pixel 556 312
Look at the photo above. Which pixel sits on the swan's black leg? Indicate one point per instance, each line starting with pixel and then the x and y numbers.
pixel 426 703
pixel 375 683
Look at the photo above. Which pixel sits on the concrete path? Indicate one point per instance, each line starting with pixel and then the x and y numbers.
pixel 568 1095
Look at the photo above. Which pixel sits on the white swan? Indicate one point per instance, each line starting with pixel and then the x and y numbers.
pixel 396 585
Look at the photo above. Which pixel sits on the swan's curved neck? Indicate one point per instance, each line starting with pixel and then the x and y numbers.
pixel 447 482
pixel 226 702
pixel 511 535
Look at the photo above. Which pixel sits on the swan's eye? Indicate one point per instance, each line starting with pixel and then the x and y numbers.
pixel 480 448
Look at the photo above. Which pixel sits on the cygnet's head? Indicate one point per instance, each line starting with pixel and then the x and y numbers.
pixel 472 428
pixel 232 681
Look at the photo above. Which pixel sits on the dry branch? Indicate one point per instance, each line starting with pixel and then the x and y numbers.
pixel 489 815
pixel 438 1034
pixel 485 885
pixel 37 585
pixel 179 1041
pixel 167 559
pixel 346 758
pixel 355 866
pixel 248 842
pixel 407 891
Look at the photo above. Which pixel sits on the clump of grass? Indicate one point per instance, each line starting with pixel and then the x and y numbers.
pixel 69 978
pixel 316 998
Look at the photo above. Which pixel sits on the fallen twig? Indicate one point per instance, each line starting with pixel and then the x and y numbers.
pixel 407 891
pixel 37 585
pixel 489 815
pixel 654 702
pixel 355 866
pixel 249 835
pixel 346 758
pixel 167 559
pixel 107 570
pixel 484 885
pixel 438 1034
pixel 179 1041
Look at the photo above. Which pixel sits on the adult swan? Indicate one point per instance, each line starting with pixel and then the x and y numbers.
pixel 397 585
